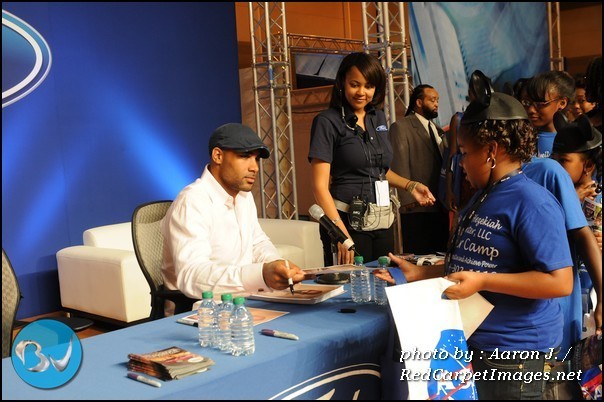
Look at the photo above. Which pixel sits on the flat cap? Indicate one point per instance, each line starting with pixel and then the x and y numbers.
pixel 237 137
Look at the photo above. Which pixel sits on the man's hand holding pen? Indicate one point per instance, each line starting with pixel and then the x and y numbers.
pixel 278 274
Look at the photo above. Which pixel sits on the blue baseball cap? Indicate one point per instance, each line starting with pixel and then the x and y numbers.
pixel 237 137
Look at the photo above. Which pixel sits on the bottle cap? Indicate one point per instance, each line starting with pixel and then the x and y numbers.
pixel 226 297
pixel 207 294
pixel 239 301
pixel 384 261
pixel 358 259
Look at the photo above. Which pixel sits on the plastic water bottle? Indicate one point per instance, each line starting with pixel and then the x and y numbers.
pixel 379 285
pixel 242 329
pixel 360 282
pixel 223 330
pixel 207 320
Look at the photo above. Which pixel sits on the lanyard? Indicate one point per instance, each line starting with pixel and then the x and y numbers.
pixel 467 218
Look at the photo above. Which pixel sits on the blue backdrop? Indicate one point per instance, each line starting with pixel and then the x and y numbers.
pixel 123 117
pixel 505 40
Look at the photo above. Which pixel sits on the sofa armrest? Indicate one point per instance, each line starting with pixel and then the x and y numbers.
pixel 102 281
pixel 116 236
pixel 303 234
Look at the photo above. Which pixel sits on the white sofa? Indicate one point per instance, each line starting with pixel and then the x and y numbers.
pixel 102 279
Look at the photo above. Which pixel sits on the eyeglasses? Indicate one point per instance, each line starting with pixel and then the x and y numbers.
pixel 537 105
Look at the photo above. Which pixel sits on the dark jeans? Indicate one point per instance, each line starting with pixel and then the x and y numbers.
pixel 504 379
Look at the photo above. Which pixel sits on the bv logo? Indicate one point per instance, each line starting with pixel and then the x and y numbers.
pixel 46 354
pixel 26 58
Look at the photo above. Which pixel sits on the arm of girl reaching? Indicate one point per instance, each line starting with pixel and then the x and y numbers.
pixel 410 271
pixel 587 247
pixel 320 172
pixel 419 191
pixel 530 284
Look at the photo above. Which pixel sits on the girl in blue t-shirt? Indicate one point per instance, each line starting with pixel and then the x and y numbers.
pixel 543 96
pixel 510 245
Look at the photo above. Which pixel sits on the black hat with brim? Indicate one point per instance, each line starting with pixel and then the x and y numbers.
pixel 237 137
pixel 577 136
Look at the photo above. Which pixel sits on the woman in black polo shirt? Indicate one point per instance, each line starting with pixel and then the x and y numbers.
pixel 350 156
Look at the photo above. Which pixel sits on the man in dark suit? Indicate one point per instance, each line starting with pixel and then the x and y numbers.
pixel 418 146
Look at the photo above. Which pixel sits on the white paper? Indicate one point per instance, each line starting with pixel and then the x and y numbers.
pixel 474 310
pixel 425 321
pixel 382 193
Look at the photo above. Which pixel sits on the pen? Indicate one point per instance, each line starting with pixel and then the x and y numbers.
pixel 279 334
pixel 144 379
pixel 290 281
pixel 187 322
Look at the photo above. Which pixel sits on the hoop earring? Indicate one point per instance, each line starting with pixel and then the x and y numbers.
pixel 493 162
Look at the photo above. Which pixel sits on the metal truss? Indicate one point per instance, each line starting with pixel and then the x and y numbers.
pixel 322 44
pixel 272 88
pixel 384 37
pixel 556 62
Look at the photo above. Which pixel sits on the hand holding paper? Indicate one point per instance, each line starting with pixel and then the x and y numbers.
pixel 465 284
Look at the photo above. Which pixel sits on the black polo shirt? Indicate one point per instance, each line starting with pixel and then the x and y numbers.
pixel 358 158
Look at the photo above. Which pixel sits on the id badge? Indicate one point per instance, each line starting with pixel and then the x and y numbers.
pixel 382 193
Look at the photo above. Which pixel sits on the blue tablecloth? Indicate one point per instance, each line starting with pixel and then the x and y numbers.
pixel 338 355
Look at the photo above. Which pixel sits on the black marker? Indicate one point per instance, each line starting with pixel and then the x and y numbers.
pixel 290 281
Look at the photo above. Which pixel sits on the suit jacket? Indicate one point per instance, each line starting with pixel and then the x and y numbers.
pixel 415 158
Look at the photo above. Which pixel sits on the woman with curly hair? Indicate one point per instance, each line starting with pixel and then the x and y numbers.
pixel 509 245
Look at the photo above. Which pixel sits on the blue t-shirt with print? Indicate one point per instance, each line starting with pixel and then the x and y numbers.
pixel 545 144
pixel 551 175
pixel 517 228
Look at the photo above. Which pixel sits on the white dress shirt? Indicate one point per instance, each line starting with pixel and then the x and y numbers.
pixel 214 242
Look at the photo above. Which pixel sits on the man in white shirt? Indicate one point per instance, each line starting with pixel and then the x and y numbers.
pixel 212 238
